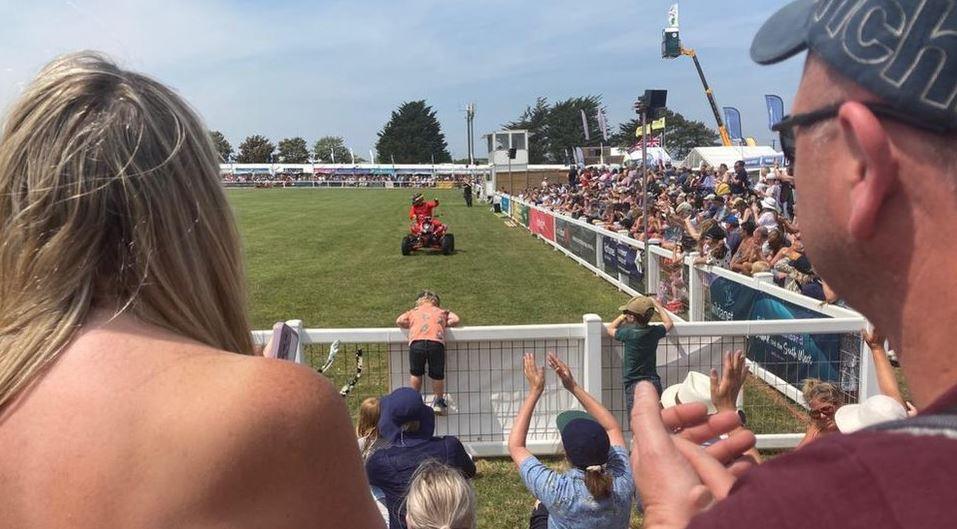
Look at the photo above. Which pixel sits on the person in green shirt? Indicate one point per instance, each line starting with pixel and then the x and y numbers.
pixel 640 339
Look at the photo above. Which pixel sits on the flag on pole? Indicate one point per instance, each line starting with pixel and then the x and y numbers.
pixel 775 109
pixel 353 155
pixel 585 126
pixel 371 156
pixel 332 153
pixel 657 124
pixel 673 16
pixel 602 123
pixel 732 118
pixel 654 141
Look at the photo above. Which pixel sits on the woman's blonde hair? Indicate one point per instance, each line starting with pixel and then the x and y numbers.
pixel 110 197
pixel 825 391
pixel 367 426
pixel 439 498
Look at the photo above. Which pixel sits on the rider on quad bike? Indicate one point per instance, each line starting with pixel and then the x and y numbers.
pixel 426 231
pixel 421 211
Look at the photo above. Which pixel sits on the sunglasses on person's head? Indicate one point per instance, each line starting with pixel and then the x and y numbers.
pixel 825 411
pixel 785 127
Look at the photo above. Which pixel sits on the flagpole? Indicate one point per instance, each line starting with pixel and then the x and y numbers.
pixel 644 170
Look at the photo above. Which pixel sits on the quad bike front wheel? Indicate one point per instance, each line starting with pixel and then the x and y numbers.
pixel 448 244
pixel 407 245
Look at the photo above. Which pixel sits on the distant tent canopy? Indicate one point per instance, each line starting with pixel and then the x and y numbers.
pixel 655 155
pixel 754 157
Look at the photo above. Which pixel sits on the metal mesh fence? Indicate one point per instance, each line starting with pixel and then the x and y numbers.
pixel 672 283
pixel 485 386
pixel 767 408
pixel 373 380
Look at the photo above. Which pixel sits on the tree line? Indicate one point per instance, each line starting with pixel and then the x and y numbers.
pixel 556 128
pixel 413 134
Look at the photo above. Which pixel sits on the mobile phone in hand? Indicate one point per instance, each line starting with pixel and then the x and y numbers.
pixel 283 343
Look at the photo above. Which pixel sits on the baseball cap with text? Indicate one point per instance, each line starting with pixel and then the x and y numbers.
pixel 904 51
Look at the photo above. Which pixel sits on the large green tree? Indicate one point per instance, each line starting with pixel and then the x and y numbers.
pixel 293 150
pixel 256 149
pixel 223 147
pixel 563 126
pixel 681 134
pixel 325 146
pixel 534 121
pixel 413 135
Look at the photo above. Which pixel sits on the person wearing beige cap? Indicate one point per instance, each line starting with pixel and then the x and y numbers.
pixel 640 339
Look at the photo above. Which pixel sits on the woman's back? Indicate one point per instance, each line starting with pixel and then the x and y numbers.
pixel 136 427
pixel 128 393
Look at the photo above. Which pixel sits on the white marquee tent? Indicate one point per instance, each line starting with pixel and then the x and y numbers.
pixel 754 157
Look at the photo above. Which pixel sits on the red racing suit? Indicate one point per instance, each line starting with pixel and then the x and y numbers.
pixel 422 210
pixel 418 213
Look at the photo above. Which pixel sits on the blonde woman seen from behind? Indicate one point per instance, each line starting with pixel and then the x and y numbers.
pixel 128 393
pixel 440 498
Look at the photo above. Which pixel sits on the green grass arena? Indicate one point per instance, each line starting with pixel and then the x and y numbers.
pixel 331 257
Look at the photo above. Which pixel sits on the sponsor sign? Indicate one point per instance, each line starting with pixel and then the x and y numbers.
pixel 542 223
pixel 792 357
pixel 577 239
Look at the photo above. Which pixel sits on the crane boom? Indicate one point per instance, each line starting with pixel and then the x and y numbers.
pixel 725 137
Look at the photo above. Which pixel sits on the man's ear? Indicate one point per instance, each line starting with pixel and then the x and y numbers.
pixel 874 167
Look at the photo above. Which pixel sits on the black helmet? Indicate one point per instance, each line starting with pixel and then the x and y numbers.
pixel 416 198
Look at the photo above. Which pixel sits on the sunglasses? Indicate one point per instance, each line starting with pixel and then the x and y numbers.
pixel 785 127
pixel 826 411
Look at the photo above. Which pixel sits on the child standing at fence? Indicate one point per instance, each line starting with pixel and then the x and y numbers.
pixel 640 338
pixel 426 323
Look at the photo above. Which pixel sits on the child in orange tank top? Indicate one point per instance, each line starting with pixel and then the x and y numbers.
pixel 426 323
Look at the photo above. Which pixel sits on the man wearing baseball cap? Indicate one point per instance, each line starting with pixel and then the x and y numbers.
pixel 871 141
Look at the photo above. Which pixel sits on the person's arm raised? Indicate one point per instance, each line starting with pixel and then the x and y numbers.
pixel 613 326
pixel 592 406
pixel 663 314
pixel 516 438
pixel 403 321
pixel 886 380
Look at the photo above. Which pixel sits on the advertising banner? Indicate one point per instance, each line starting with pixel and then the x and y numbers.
pixel 609 254
pixel 523 215
pixel 577 239
pixel 506 204
pixel 792 357
pixel 629 263
pixel 542 223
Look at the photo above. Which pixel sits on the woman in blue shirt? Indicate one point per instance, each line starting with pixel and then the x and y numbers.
pixel 597 491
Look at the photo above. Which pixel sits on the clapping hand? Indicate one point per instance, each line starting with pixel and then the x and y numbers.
pixel 726 386
pixel 874 338
pixel 563 371
pixel 534 374
pixel 677 478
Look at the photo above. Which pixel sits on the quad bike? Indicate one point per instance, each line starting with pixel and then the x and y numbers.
pixel 428 233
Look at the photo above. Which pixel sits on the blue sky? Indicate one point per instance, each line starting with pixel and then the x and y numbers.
pixel 294 68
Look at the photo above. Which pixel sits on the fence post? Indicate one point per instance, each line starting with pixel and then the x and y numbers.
pixel 592 358
pixel 867 376
pixel 695 290
pixel 653 269
pixel 296 325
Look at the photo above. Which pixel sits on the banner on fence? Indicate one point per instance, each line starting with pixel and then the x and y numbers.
pixel 542 223
pixel 577 239
pixel 523 214
pixel 792 357
pixel 619 257
pixel 506 203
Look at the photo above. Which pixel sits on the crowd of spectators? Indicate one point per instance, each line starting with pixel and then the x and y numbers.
pixel 730 218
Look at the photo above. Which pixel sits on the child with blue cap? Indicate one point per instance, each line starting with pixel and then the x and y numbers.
pixel 598 490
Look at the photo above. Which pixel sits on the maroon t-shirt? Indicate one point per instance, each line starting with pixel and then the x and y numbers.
pixel 904 478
